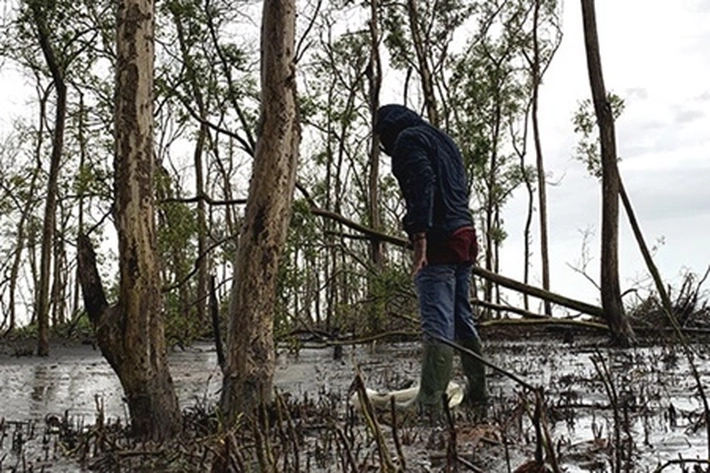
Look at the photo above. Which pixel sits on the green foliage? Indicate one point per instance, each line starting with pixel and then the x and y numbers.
pixel 82 325
pixel 26 331
pixel 397 40
pixel 498 234
pixel 177 232
pixel 178 229
pixel 91 179
pixel 299 258
pixel 78 328
pixel 585 124
pixel 207 70
pixel 391 293
pixel 491 91
pixel 182 326
pixel 75 30
pixel 438 21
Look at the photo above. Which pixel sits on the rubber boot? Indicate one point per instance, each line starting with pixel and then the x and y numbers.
pixel 475 372
pixel 435 376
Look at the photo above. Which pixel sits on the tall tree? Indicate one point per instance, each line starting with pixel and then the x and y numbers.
pixel 542 185
pixel 131 333
pixel 489 92
pixel 199 152
pixel 56 68
pixel 341 82
pixel 423 63
pixel 613 307
pixel 374 74
pixel 419 36
pixel 249 368
pixel 543 49
pixel 55 44
pixel 375 84
pixel 18 195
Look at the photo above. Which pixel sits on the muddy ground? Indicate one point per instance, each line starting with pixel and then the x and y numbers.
pixel 635 409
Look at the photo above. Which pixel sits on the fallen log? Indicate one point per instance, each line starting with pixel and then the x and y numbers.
pixel 507 308
pixel 583 307
pixel 546 322
pixel 539 293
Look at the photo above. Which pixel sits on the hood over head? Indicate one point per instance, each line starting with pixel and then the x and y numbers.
pixel 391 120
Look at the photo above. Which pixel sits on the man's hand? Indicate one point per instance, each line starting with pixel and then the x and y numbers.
pixel 419 243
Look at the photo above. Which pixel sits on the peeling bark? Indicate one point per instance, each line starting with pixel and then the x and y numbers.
pixel 130 333
pixel 250 358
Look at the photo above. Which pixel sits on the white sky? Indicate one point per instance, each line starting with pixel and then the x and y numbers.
pixel 654 55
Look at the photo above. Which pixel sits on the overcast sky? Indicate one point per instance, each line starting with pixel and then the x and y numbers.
pixel 656 56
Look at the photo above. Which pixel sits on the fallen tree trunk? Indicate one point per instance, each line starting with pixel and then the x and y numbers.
pixel 539 293
pixel 548 321
pixel 547 296
pixel 493 277
pixel 505 308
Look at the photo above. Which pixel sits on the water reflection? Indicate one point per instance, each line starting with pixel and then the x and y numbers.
pixel 72 378
pixel 42 391
pixel 648 383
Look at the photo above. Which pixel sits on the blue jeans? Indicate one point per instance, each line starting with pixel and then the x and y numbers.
pixel 444 306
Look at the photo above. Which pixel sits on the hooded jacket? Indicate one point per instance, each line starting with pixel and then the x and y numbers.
pixel 429 169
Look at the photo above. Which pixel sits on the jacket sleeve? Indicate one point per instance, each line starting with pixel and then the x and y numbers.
pixel 416 179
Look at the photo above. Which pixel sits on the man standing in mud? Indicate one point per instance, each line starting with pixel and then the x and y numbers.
pixel 429 169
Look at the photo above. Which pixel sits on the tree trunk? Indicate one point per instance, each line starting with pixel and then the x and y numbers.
pixel 375 77
pixel 250 358
pixel 80 207
pixel 15 271
pixel 424 69
pixel 477 271
pixel 131 333
pixel 22 237
pixel 375 308
pixel 203 264
pixel 648 259
pixel 537 292
pixel 611 292
pixel 50 209
pixel 527 230
pixel 202 137
pixel 490 208
pixel 59 279
pixel 542 191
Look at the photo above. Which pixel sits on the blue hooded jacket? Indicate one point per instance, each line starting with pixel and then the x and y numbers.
pixel 429 169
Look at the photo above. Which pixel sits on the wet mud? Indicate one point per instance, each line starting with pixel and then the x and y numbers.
pixel 638 407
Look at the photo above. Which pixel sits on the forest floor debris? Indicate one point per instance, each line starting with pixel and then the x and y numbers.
pixel 654 422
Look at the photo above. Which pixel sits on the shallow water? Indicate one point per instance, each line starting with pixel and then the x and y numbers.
pixel 656 391
pixel 74 378
pixel 657 398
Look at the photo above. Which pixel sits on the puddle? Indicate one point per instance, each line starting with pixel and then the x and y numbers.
pixel 658 397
